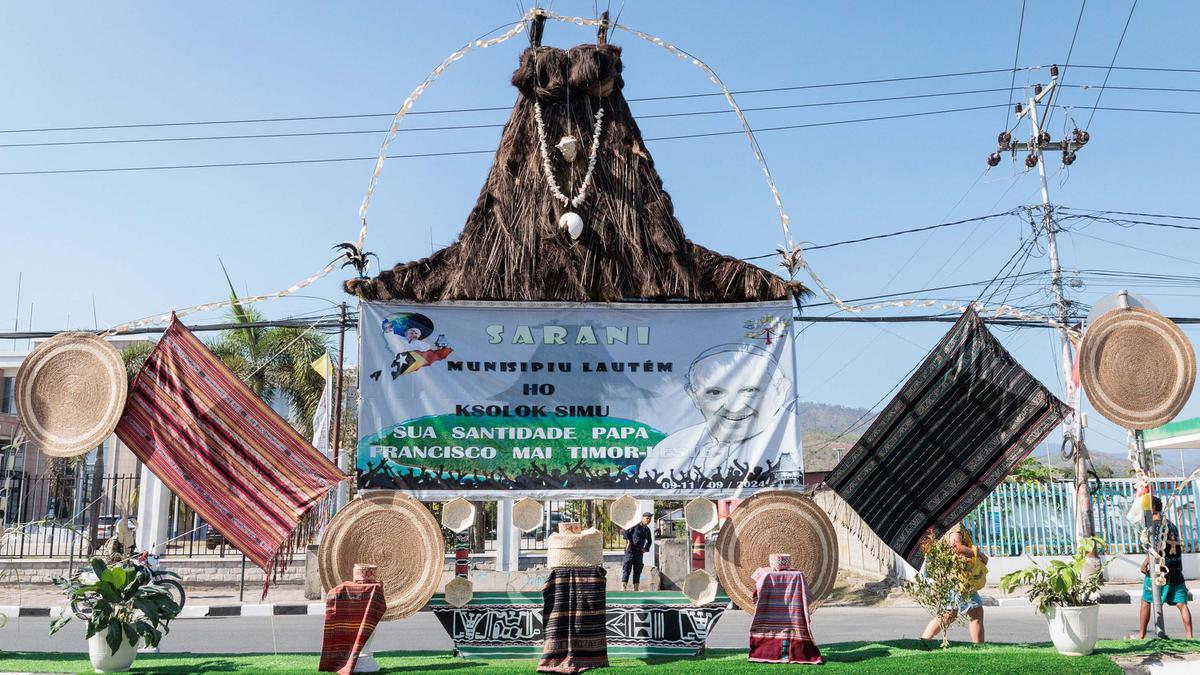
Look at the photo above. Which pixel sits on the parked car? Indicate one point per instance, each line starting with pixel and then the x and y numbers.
pixel 106 526
pixel 213 539
pixel 44 538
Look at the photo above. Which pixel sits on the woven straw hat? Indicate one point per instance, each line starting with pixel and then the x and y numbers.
pixel 700 514
pixel 398 535
pixel 70 393
pixel 776 521
pixel 459 591
pixel 700 587
pixel 458 514
pixel 624 512
pixel 527 514
pixel 585 549
pixel 1137 367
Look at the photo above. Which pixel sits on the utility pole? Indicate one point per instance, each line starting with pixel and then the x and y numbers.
pixel 1039 143
pixel 342 460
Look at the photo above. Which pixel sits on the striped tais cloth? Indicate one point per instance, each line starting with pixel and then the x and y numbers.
pixel 779 632
pixel 573 618
pixel 352 611
pixel 224 452
pixel 967 416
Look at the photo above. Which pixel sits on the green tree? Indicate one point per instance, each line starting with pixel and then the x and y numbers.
pixel 1030 470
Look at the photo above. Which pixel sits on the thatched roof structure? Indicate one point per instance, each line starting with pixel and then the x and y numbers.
pixel 632 247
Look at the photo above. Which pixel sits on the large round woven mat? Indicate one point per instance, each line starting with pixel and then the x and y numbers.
pixel 1137 367
pixel 776 522
pixel 70 393
pixel 397 534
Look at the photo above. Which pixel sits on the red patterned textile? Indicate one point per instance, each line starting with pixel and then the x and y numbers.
pixel 779 632
pixel 228 455
pixel 351 613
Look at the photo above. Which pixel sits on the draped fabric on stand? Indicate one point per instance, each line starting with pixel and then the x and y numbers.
pixel 225 452
pixel 352 611
pixel 573 620
pixel 962 422
pixel 779 632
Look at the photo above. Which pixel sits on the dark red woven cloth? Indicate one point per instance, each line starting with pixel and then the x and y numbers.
pixel 573 620
pixel 224 452
pixel 779 632
pixel 351 613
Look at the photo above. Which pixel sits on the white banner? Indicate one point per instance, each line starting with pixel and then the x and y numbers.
pixel 585 400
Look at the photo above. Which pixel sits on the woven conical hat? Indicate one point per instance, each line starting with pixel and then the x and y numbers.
pixel 398 535
pixel 1137 367
pixel 776 522
pixel 70 393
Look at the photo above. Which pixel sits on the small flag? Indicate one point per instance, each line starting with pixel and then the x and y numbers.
pixel 320 441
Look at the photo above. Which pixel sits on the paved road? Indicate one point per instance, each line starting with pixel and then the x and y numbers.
pixel 423 632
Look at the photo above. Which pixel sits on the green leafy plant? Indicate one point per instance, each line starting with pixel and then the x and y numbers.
pixel 120 599
pixel 945 574
pixel 1060 583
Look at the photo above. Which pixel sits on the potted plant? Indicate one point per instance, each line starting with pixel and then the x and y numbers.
pixel 1067 595
pixel 121 604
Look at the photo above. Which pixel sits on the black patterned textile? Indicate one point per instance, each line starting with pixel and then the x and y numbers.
pixel 573 618
pixel 967 416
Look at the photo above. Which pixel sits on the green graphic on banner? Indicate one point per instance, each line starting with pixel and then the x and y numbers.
pixel 508 445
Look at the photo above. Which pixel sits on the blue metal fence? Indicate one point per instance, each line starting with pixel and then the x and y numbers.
pixel 1039 518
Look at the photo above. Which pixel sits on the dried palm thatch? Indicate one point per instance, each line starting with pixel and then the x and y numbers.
pixel 632 248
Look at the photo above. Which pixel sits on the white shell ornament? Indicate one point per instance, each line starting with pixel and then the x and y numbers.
pixel 569 147
pixel 572 223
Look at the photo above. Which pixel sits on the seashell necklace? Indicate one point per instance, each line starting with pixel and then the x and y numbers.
pixel 570 220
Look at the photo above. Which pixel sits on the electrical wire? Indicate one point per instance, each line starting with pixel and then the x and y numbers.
pixel 1016 55
pixel 1070 51
pixel 1108 72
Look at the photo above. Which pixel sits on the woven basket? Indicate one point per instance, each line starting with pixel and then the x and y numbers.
pixel 70 393
pixel 585 549
pixel 398 535
pixel 1137 367
pixel 770 522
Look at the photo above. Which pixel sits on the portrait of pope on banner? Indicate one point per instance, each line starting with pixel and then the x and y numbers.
pixel 749 417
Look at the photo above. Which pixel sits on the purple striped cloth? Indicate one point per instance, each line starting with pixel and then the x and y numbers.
pixel 779 632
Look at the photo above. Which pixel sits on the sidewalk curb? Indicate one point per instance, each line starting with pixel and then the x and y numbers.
pixel 190 611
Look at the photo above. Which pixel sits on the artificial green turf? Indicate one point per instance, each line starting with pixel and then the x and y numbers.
pixel 898 656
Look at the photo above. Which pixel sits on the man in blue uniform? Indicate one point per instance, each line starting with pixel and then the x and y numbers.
pixel 637 543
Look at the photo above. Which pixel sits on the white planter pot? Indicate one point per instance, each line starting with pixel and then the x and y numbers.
pixel 1074 629
pixel 104 661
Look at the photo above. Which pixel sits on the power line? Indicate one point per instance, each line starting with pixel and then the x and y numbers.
pixel 478 152
pixel 1070 51
pixel 301 134
pixel 1016 55
pixel 465 152
pixel 315 118
pixel 888 235
pixel 1110 64
pixel 1131 213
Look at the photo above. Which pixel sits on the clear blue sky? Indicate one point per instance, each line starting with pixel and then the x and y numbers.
pixel 144 242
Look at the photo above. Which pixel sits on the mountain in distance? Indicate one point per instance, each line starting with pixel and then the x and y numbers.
pixel 825 436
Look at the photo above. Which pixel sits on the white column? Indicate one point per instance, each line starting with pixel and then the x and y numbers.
pixel 508 538
pixel 154 504
pixel 647 506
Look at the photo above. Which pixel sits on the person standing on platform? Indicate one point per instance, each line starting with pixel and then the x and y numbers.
pixel 637 542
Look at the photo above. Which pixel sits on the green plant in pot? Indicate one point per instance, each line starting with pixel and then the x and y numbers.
pixel 1067 594
pixel 121 605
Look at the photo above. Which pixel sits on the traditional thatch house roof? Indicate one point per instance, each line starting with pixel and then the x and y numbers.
pixel 632 247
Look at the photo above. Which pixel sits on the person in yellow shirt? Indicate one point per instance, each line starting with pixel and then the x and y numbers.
pixel 959 538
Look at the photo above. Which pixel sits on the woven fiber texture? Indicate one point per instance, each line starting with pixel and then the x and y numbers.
pixel 585 549
pixel 70 393
pixel 398 535
pixel 1137 368
pixel 770 522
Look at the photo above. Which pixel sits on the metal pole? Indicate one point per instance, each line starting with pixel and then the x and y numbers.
pixel 1083 497
pixel 1156 613
pixel 343 464
pixel 242 583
